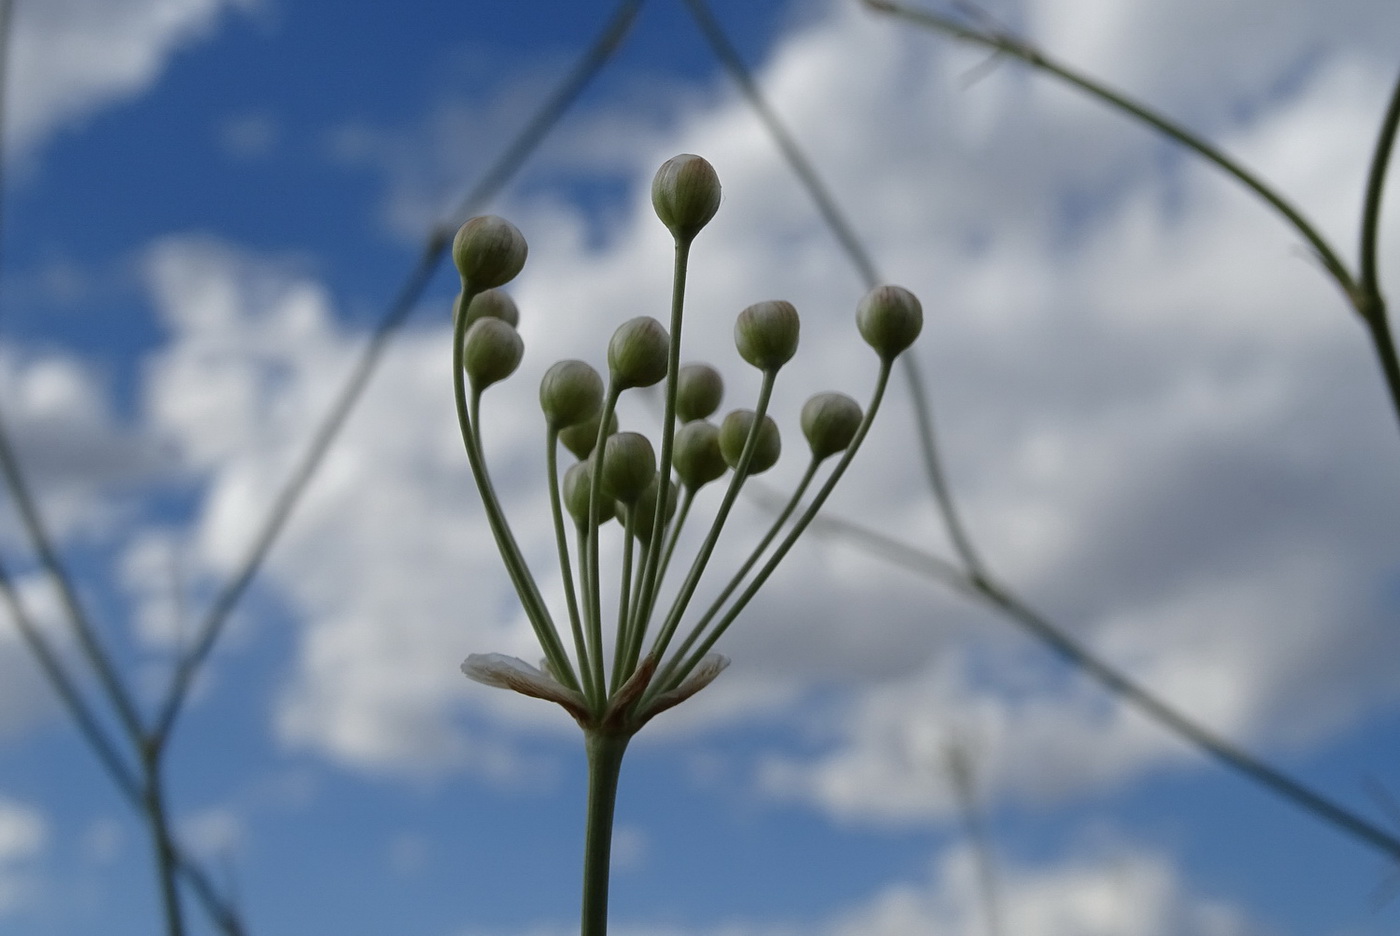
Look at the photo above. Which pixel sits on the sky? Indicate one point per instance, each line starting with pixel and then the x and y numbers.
pixel 1163 426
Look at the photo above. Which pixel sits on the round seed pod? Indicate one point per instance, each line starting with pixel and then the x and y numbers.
pixel 889 319
pixel 492 352
pixel 699 390
pixel 493 303
pixel 644 510
pixel 570 393
pixel 578 482
pixel 581 437
pixel 734 432
pixel 696 454
pixel 766 334
pixel 685 194
pixel 830 421
pixel 638 353
pixel 629 465
pixel 489 251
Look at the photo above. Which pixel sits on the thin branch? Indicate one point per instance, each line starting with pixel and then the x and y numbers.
pixel 999 598
pixel 1002 41
pixel 494 179
pixel 1369 297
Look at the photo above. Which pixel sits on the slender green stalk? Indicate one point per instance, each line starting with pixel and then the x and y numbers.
pixel 707 548
pixel 642 614
pixel 520 576
pixel 683 669
pixel 651 579
pixel 565 567
pixel 605 750
pixel 620 639
pixel 594 621
pixel 664 676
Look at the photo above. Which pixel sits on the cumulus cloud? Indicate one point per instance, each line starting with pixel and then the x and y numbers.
pixel 73 57
pixel 1164 426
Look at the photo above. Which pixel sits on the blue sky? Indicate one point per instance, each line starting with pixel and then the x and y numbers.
pixel 1164 427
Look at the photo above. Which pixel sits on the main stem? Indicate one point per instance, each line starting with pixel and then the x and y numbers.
pixel 605 750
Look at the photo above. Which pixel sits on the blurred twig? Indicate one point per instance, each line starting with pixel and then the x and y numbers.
pixel 962 774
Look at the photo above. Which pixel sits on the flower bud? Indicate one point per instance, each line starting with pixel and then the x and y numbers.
pixel 629 465
pixel 638 353
pixel 570 393
pixel 889 319
pixel 766 334
pixel 492 352
pixel 696 455
pixel 581 437
pixel 644 510
pixel 830 421
pixel 734 432
pixel 699 390
pixel 578 484
pixel 493 303
pixel 685 194
pixel 489 252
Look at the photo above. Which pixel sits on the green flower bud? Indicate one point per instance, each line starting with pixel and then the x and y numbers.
pixel 830 421
pixel 570 393
pixel 629 465
pixel 685 194
pixel 889 319
pixel 766 334
pixel 734 432
pixel 644 510
pixel 638 353
pixel 578 483
pixel 699 390
pixel 493 351
pixel 493 303
pixel 581 437
pixel 489 252
pixel 696 455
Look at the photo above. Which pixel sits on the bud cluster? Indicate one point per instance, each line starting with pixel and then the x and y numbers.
pixel 625 475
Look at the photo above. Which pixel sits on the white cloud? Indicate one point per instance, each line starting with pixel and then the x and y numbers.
pixel 23 833
pixel 73 57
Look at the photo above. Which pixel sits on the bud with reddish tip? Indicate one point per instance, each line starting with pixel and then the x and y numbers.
pixel 830 422
pixel 492 352
pixel 639 353
pixel 489 252
pixel 766 334
pixel 734 432
pixel 685 194
pixel 570 393
pixel 889 319
pixel 699 390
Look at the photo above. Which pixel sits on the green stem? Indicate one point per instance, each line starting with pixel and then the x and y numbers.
pixel 605 750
